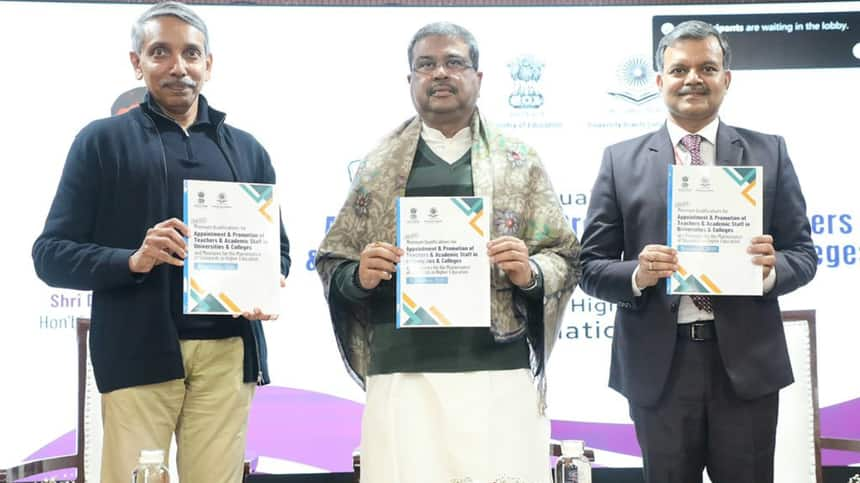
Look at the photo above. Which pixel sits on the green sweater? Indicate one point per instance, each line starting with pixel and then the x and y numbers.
pixel 458 349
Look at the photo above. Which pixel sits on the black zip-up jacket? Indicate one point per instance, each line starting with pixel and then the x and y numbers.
pixel 113 188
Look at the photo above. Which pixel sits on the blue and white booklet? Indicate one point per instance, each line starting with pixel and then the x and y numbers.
pixel 233 248
pixel 713 213
pixel 443 279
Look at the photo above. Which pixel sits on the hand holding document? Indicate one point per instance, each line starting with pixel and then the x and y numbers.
pixel 378 261
pixel 163 243
pixel 714 214
pixel 443 280
pixel 233 261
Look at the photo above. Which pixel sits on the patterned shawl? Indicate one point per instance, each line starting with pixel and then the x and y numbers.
pixel 524 205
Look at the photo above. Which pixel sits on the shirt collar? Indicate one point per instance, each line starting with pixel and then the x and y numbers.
pixel 449 149
pixel 432 135
pixel 708 133
pixel 202 109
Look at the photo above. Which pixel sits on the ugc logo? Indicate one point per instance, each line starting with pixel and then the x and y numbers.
pixel 636 81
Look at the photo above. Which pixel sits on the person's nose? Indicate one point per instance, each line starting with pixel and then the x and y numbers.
pixel 440 72
pixel 178 67
pixel 693 77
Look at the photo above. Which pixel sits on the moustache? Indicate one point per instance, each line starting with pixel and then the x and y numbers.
pixel 432 90
pixel 693 90
pixel 176 83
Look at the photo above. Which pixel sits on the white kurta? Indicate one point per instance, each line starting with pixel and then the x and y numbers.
pixel 475 427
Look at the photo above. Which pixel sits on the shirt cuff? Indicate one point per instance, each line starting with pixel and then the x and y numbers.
pixel 536 286
pixel 637 292
pixel 345 281
pixel 769 281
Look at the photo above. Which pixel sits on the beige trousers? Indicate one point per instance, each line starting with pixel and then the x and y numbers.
pixel 207 410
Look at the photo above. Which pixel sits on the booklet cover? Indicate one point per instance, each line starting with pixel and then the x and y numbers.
pixel 233 254
pixel 714 211
pixel 443 280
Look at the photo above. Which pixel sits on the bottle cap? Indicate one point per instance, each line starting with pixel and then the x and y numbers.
pixel 151 456
pixel 572 448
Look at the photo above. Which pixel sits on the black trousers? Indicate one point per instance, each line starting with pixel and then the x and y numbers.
pixel 699 422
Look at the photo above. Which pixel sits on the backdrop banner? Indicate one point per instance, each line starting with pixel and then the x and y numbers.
pixel 320 86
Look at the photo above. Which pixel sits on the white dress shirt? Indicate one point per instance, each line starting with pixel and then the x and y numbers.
pixel 449 149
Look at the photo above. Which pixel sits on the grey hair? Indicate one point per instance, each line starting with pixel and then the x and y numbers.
pixel 167 8
pixel 446 29
pixel 692 29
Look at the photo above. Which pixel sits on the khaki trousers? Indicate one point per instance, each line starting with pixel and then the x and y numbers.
pixel 207 410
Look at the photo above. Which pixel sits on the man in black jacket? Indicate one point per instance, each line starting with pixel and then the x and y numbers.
pixel 114 228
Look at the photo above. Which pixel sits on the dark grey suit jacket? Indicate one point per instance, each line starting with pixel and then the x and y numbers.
pixel 627 211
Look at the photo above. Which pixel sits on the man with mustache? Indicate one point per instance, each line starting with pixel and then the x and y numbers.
pixel 115 228
pixel 451 404
pixel 701 374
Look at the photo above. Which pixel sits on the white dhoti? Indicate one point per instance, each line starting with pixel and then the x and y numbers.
pixel 476 427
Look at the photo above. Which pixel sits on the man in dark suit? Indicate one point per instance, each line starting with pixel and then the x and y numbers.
pixel 701 374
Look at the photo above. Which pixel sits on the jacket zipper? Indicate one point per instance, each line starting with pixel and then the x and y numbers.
pixel 163 153
pixel 259 362
pixel 235 178
pixel 235 171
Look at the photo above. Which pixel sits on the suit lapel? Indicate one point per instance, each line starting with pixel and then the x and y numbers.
pixel 730 150
pixel 660 156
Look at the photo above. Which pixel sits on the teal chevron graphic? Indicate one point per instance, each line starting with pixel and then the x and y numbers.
pixel 741 176
pixel 689 284
pixel 258 192
pixel 418 317
pixel 469 205
pixel 207 304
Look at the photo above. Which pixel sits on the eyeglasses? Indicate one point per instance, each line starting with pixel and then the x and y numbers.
pixel 428 66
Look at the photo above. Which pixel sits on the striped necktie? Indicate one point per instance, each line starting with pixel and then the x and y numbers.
pixel 693 144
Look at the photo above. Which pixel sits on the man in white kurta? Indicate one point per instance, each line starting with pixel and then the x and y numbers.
pixel 451 404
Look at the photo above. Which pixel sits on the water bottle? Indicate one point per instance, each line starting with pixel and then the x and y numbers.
pixel 150 468
pixel 573 466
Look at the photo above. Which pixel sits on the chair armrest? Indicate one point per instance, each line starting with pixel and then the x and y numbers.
pixel 40 466
pixel 840 444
